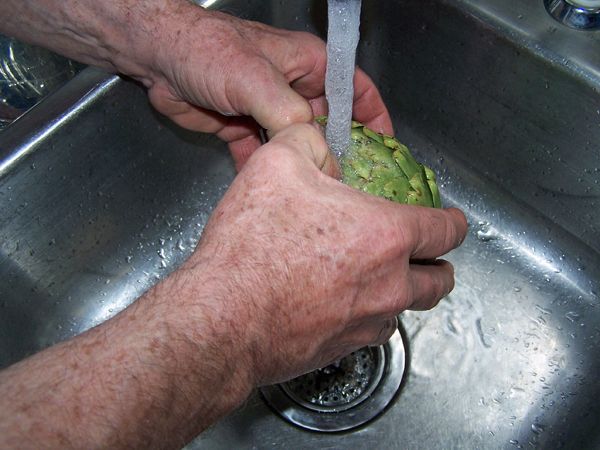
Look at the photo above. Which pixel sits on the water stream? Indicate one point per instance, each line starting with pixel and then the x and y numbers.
pixel 342 40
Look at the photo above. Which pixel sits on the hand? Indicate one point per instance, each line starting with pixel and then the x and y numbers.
pixel 294 270
pixel 206 70
pixel 305 269
pixel 230 76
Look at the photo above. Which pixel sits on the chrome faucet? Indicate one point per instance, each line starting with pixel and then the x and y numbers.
pixel 578 14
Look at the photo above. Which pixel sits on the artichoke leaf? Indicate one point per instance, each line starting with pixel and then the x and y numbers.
pixel 380 165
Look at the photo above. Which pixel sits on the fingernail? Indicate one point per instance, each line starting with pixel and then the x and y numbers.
pixel 264 136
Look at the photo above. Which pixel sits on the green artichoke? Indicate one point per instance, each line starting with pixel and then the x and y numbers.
pixel 382 166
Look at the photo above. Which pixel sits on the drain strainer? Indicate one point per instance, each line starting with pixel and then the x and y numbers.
pixel 343 395
pixel 339 386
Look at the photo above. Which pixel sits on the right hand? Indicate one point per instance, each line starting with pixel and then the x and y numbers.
pixel 305 269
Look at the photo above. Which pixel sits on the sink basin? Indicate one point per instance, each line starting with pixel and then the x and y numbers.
pixel 101 197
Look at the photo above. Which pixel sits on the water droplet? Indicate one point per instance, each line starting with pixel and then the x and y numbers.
pixel 537 428
pixel 572 316
pixel 486 232
pixel 543 310
pixel 481 334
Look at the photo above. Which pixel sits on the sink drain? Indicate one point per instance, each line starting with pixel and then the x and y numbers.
pixel 343 395
pixel 339 386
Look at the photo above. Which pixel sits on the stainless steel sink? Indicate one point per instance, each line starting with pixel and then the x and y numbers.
pixel 101 197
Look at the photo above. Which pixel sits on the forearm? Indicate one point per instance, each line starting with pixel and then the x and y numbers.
pixel 121 35
pixel 154 376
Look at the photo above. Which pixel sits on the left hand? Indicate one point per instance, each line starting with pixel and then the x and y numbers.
pixel 224 75
pixel 206 70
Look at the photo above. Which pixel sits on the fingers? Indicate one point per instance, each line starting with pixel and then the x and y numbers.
pixel 306 72
pixel 273 103
pixel 242 149
pixel 388 328
pixel 241 133
pixel 432 232
pixel 308 142
pixel 372 333
pixel 302 59
pixel 375 332
pixel 369 107
pixel 430 283
pixel 183 113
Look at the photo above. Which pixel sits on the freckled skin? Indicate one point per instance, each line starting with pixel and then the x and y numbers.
pixel 293 270
pixel 197 64
pixel 269 293
pixel 325 245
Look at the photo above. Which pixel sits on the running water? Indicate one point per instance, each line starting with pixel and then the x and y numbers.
pixel 342 39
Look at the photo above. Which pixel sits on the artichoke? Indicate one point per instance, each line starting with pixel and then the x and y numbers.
pixel 382 166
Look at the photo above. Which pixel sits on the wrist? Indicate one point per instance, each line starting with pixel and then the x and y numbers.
pixel 140 41
pixel 204 340
pixel 116 35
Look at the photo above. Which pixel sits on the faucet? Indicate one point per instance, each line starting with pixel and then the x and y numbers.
pixel 577 14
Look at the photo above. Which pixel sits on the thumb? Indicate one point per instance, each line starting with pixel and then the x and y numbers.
pixel 308 143
pixel 273 103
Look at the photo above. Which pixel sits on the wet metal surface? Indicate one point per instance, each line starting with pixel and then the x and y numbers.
pixel 28 74
pixel 101 198
pixel 577 17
